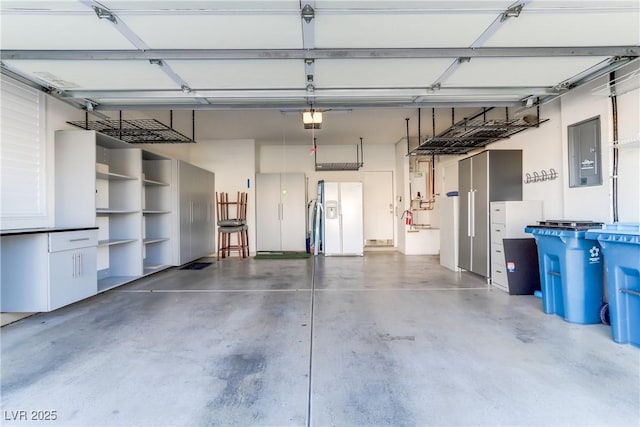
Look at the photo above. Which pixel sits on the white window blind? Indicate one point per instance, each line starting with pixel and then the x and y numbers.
pixel 22 156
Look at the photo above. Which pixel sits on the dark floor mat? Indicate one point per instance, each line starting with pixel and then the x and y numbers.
pixel 196 266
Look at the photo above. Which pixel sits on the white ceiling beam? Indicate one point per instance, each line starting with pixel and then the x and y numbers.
pixel 334 92
pixel 307 13
pixel 381 53
pixel 302 105
pixel 580 7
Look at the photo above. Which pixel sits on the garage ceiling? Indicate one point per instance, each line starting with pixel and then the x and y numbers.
pixel 290 55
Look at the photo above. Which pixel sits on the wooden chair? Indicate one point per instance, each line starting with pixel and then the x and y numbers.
pixel 232 223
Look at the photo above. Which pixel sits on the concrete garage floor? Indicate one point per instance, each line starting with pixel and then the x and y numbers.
pixel 383 340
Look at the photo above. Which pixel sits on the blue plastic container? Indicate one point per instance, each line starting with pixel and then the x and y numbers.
pixel 620 244
pixel 570 273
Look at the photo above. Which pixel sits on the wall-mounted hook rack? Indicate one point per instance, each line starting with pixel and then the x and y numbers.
pixel 541 176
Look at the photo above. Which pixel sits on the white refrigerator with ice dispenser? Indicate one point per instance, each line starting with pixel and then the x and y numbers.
pixel 343 218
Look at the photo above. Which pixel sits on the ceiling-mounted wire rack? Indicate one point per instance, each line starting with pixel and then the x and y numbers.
pixel 136 131
pixel 340 166
pixel 476 132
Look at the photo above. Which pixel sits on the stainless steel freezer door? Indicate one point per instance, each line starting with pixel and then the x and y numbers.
pixel 465 206
pixel 351 215
pixel 480 219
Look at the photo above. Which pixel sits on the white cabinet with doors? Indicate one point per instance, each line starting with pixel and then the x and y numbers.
pixel 196 212
pixel 43 271
pixel 281 212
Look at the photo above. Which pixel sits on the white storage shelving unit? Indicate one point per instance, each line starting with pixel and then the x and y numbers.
pixel 156 212
pixel 152 212
pixel 118 212
pixel 99 183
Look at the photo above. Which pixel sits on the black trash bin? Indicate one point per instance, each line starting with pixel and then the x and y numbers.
pixel 521 262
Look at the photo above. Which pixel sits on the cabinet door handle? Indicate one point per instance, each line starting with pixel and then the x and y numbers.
pixel 80 264
pixel 469 213
pixel 499 271
pixel 79 240
pixel 473 213
pixel 73 258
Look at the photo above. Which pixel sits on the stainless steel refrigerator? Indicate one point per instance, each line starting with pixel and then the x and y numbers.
pixel 493 175
pixel 343 218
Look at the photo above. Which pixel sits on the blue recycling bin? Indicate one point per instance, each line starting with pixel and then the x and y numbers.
pixel 620 244
pixel 570 270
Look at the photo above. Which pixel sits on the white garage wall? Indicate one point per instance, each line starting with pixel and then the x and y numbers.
pixel 402 191
pixel 299 158
pixel 546 147
pixel 541 150
pixel 172 151
pixel 589 203
pixel 629 157
pixel 590 101
pixel 233 163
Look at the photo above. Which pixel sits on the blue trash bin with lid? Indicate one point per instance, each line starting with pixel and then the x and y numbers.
pixel 620 244
pixel 570 269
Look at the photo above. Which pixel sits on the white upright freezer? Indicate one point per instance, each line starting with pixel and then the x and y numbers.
pixel 343 218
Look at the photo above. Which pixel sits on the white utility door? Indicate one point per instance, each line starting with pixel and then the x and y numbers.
pixel 378 211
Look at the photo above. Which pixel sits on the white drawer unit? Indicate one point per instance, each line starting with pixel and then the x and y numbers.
pixel 46 271
pixel 70 240
pixel 508 220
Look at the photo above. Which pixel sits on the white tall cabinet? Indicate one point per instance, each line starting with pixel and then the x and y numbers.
pixel 196 212
pixel 281 208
